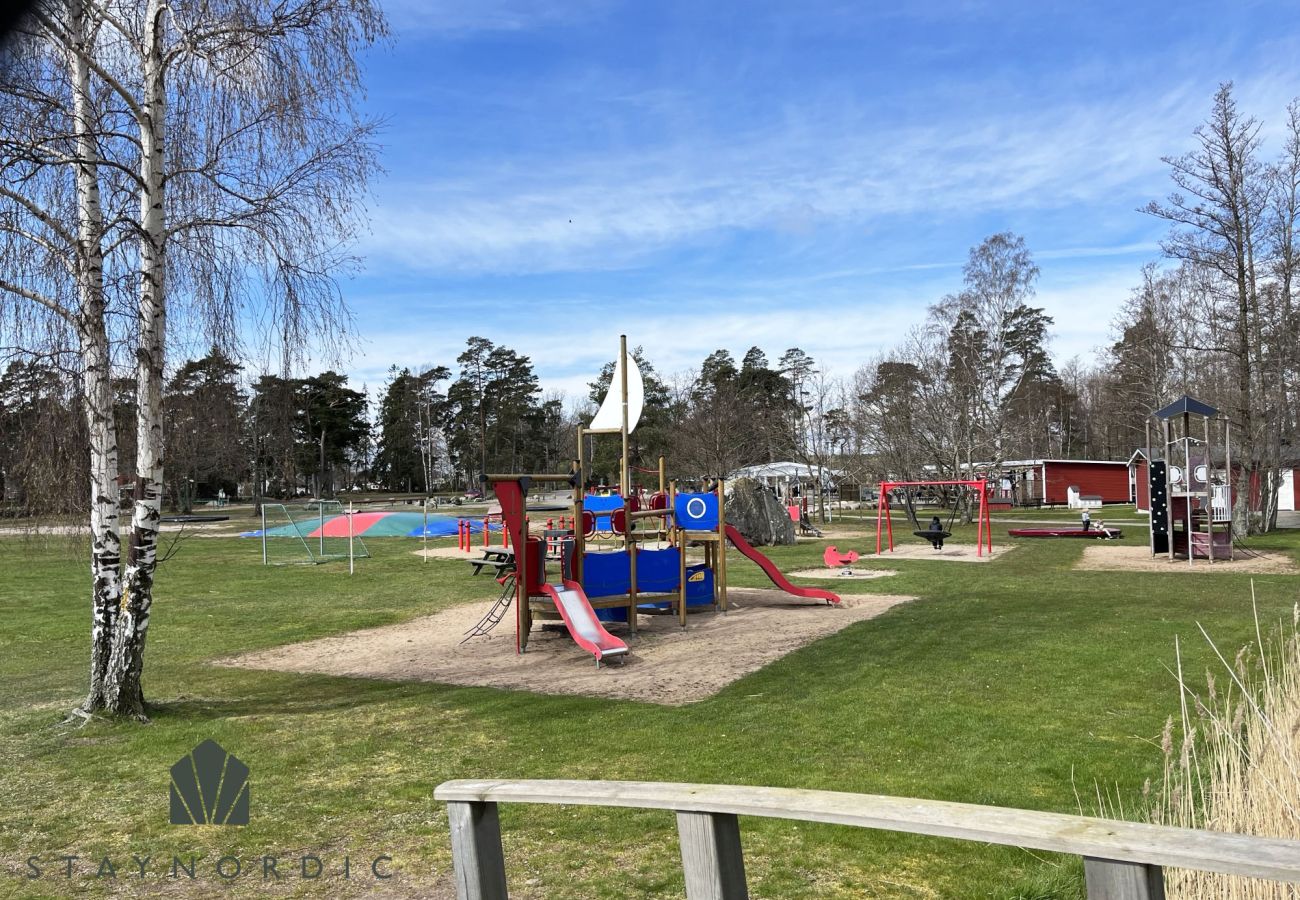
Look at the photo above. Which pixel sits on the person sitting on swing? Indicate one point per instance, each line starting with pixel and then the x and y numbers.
pixel 936 533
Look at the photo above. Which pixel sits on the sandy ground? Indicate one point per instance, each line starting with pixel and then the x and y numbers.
pixel 1113 558
pixel 950 553
pixel 665 664
pixel 849 574
pixel 452 552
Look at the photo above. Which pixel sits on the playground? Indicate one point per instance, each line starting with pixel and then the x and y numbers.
pixel 357 658
pixel 956 694
pixel 667 664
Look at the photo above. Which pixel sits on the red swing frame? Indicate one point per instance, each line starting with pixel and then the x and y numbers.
pixel 984 534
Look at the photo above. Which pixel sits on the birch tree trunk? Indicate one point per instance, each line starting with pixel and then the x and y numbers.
pixel 268 161
pixel 126 696
pixel 97 386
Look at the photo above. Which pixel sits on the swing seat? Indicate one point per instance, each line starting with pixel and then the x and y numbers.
pixel 931 535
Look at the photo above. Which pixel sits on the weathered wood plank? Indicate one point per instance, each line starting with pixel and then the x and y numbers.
pixel 1108 879
pixel 712 860
pixel 1081 835
pixel 476 855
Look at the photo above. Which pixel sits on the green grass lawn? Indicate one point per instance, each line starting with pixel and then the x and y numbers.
pixel 1016 683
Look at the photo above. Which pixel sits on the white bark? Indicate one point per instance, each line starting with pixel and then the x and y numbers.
pixel 128 647
pixel 97 390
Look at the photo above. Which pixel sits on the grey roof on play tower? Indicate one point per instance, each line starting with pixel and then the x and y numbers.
pixel 1186 404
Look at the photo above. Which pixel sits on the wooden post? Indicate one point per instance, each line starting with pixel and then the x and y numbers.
pixel 712 860
pixel 476 855
pixel 1108 879
pixel 681 588
pixel 720 576
pixel 629 543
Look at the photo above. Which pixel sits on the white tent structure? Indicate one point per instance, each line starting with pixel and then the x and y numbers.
pixel 788 479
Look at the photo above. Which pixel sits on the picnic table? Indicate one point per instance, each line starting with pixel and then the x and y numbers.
pixel 494 558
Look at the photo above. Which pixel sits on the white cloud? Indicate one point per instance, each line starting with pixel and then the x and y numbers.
pixel 602 212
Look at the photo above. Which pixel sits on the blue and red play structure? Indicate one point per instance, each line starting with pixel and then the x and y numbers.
pixel 637 562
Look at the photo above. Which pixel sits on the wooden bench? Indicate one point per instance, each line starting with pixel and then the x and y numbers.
pixel 1121 860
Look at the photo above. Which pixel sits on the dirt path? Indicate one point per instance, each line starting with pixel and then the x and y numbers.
pixel 665 665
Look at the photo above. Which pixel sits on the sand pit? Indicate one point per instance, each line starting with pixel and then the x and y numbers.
pixel 1129 558
pixel 850 574
pixel 665 664
pixel 450 553
pixel 950 553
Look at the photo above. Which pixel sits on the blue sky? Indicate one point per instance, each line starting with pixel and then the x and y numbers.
pixel 813 174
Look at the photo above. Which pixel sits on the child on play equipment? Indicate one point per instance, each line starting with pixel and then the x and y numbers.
pixel 936 528
pixel 1087 520
pixel 1102 531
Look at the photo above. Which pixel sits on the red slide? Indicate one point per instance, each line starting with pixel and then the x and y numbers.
pixel 774 573
pixel 582 623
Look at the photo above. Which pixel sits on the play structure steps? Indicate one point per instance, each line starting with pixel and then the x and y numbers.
pixel 773 573
pixel 498 611
pixel 580 619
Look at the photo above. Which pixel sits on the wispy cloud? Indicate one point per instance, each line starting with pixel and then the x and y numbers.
pixel 618 209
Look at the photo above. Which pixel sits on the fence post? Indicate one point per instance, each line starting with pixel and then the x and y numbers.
pixel 1109 879
pixel 476 854
pixel 712 860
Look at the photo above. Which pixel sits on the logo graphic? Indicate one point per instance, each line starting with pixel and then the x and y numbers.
pixel 209 787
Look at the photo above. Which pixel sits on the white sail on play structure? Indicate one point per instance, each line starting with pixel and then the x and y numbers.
pixel 610 414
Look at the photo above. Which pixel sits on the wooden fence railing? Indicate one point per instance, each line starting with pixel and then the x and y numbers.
pixel 1121 860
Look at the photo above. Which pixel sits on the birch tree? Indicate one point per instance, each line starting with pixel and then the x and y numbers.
pixel 224 136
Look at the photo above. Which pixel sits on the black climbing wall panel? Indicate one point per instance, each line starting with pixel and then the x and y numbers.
pixel 1159 507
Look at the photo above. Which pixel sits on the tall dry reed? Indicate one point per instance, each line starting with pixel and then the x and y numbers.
pixel 1232 758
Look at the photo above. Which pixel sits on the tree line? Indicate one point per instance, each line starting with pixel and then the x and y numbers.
pixel 435 429
pixel 972 386
pixel 974 382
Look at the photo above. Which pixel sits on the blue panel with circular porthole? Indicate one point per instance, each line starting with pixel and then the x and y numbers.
pixel 696 512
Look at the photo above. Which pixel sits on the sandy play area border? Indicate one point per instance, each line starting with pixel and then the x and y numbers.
pixel 665 664
pixel 950 553
pixel 850 574
pixel 1138 558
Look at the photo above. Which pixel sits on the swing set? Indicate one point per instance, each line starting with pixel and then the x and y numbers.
pixel 984 533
